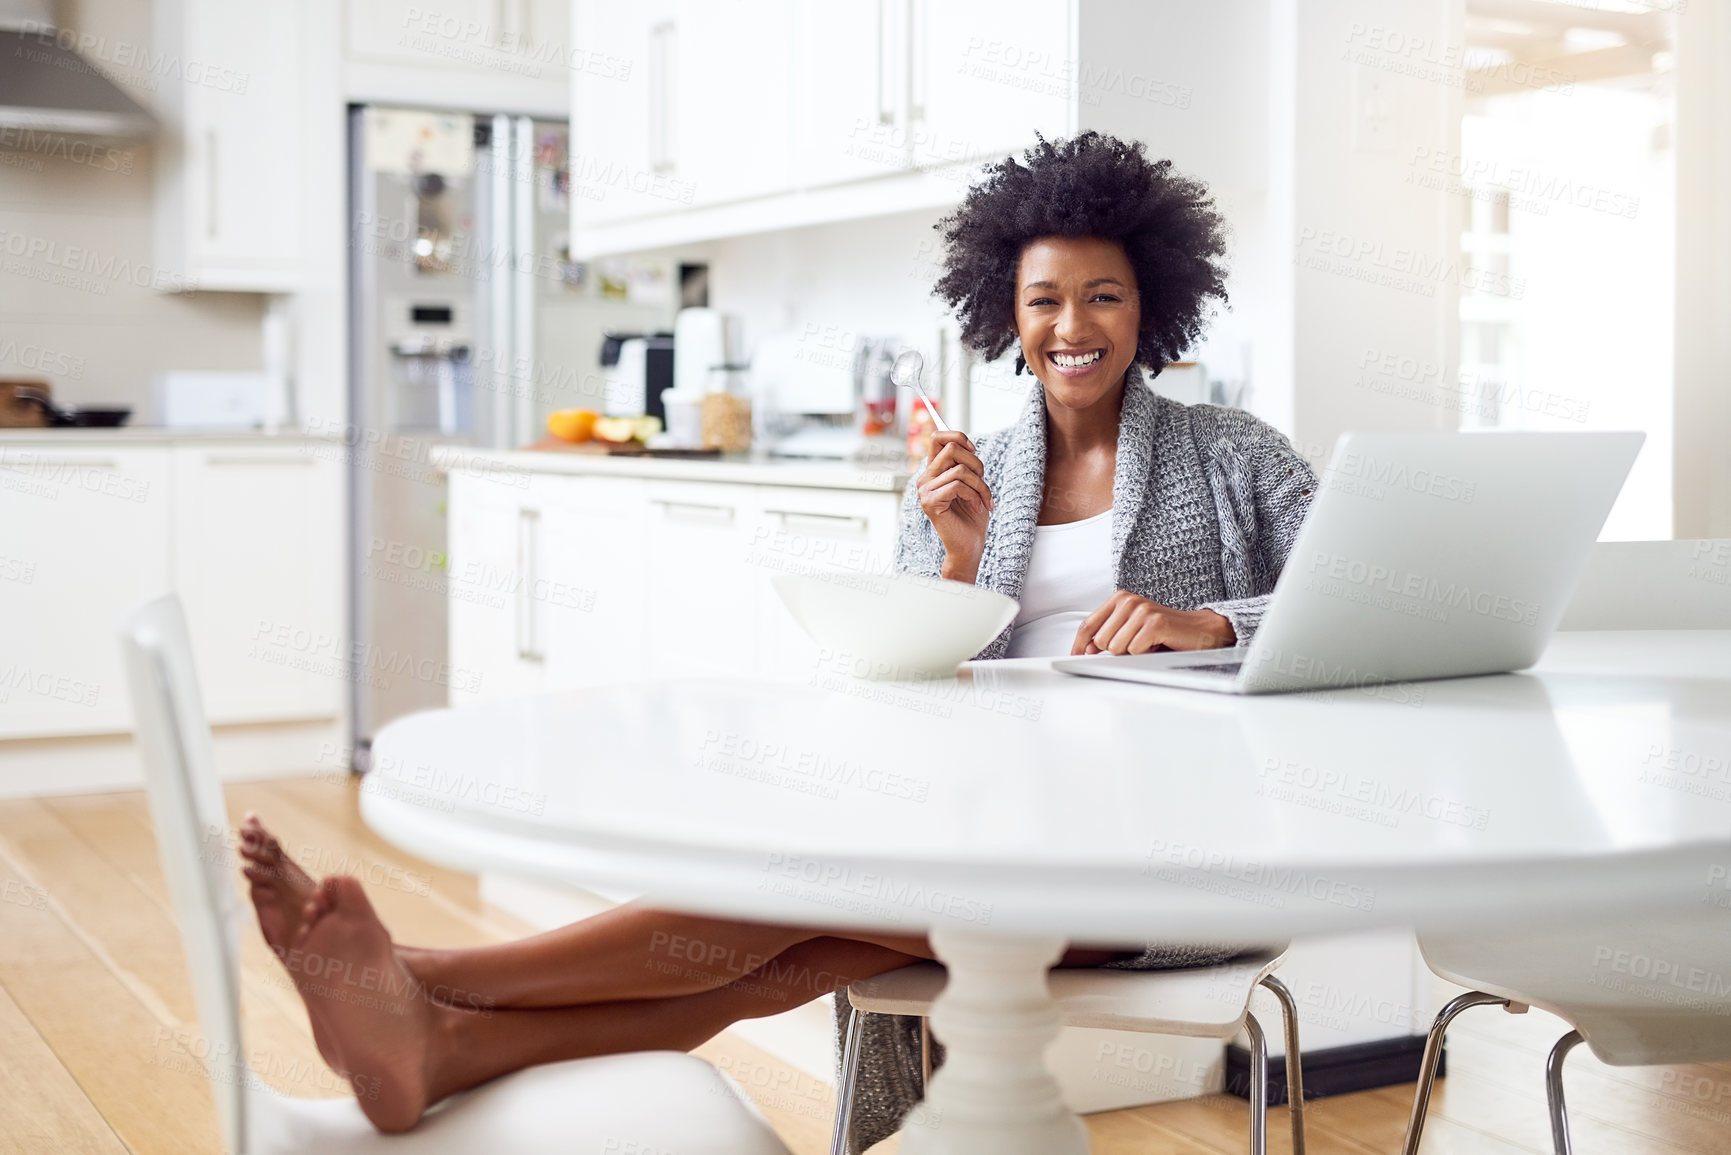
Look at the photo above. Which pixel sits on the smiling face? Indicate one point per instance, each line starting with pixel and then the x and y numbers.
pixel 1078 316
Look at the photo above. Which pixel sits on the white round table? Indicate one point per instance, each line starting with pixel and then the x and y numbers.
pixel 1011 810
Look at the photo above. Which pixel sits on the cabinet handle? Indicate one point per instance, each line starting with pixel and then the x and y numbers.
pixel 886 114
pixel 210 184
pixel 528 556
pixel 791 517
pixel 917 17
pixel 695 509
pixel 661 97
pixel 257 459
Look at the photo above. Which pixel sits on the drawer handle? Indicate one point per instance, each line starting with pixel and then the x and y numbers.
pixel 695 510
pixel 529 567
pixel 248 459
pixel 791 518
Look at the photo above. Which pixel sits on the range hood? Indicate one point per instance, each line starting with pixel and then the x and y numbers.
pixel 45 86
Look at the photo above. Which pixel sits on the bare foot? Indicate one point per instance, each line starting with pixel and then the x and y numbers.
pixel 281 892
pixel 370 1018
pixel 280 888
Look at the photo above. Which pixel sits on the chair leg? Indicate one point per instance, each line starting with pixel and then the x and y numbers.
pixel 1554 1091
pixel 1294 1065
pixel 1433 1055
pixel 849 1076
pixel 1258 1086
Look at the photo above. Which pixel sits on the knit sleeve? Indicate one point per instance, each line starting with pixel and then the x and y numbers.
pixel 1262 491
pixel 918 550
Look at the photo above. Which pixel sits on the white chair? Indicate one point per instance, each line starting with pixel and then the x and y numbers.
pixel 1601 982
pixel 651 1101
pixel 1196 1002
pixel 1575 973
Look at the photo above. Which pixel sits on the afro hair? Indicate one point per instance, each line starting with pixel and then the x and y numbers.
pixel 1091 185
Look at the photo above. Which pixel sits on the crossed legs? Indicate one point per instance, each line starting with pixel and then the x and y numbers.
pixel 408 1026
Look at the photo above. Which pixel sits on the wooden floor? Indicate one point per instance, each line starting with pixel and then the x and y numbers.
pixel 99 1037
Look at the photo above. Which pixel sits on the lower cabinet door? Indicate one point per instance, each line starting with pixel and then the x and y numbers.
pixel 702 612
pixel 803 531
pixel 589 597
pixel 83 538
pixel 495 540
pixel 257 561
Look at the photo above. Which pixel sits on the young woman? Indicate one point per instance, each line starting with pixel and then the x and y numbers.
pixel 1121 522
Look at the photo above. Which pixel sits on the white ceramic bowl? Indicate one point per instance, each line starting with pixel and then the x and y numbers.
pixel 894 626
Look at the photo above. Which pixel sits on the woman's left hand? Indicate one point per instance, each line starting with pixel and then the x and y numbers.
pixel 1130 624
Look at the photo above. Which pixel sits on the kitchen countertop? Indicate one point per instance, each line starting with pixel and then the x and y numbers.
pixel 738 469
pixel 147 434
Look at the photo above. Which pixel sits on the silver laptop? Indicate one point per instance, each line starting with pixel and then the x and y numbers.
pixel 1424 555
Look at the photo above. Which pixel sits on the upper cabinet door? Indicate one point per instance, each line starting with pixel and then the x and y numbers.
pixel 620 116
pixel 680 103
pixel 521 40
pixel 228 203
pixel 988 74
pixel 730 87
pixel 850 91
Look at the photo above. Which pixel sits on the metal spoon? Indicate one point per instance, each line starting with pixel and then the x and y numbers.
pixel 906 373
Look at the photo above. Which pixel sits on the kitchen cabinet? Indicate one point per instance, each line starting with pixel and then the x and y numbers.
pixel 629 577
pixel 811 531
pixel 893 85
pixel 988 75
pixel 85 538
pixel 848 118
pixel 730 68
pixel 702 607
pixel 507 54
pixel 246 534
pixel 546 584
pixel 619 117
pixel 494 552
pixel 746 108
pixel 591 592
pixel 690 105
pixel 233 152
pixel 255 555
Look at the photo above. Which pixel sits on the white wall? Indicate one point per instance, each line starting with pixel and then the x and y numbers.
pixel 1375 258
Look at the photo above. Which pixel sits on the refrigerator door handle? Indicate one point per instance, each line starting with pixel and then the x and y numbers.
pixel 524 265
pixel 501 287
pixel 528 570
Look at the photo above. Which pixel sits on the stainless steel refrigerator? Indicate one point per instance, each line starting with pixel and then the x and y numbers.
pixel 468 324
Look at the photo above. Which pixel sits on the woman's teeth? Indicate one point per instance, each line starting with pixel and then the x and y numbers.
pixel 1069 361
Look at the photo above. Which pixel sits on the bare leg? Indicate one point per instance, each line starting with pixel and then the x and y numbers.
pixel 403 1052
pixel 632 952
pixel 638 952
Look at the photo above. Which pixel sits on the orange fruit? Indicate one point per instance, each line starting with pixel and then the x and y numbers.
pixel 572 424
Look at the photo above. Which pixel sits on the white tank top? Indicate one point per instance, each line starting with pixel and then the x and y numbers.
pixel 1069 577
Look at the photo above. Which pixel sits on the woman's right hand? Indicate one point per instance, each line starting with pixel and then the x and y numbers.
pixel 954 495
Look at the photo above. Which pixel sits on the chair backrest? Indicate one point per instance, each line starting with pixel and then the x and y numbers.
pixel 1654 585
pixel 186 808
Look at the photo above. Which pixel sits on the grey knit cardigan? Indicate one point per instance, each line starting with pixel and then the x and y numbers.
pixel 1206 502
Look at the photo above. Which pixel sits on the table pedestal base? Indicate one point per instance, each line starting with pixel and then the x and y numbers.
pixel 993 1095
